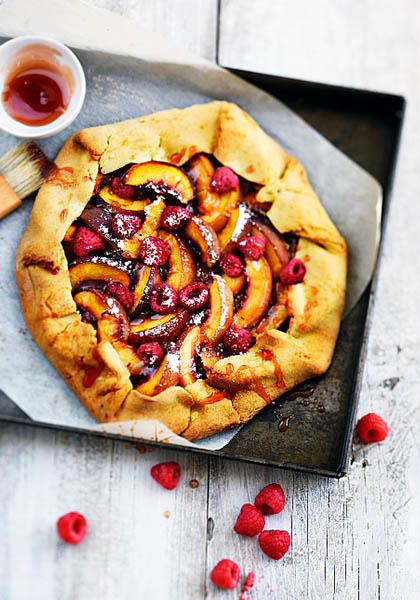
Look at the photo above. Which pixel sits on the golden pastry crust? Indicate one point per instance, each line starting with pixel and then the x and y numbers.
pixel 249 380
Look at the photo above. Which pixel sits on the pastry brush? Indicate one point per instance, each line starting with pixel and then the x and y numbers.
pixel 22 171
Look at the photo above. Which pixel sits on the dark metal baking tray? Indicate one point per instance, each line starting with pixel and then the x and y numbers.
pixel 311 428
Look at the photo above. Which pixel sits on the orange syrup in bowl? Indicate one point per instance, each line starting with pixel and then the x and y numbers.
pixel 37 87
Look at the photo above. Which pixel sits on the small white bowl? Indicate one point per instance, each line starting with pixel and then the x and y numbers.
pixel 68 59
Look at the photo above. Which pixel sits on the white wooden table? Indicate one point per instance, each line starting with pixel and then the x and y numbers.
pixel 353 538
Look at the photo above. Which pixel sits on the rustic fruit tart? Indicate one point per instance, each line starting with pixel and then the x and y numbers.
pixel 180 267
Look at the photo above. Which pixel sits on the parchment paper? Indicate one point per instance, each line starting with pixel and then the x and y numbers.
pixel 143 74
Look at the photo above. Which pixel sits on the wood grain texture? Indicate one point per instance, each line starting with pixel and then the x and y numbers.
pixel 357 538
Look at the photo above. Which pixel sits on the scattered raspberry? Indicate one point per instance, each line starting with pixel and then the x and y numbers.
pixel 174 217
pixel 372 428
pixel 271 499
pixel 252 246
pixel 86 241
pixel 121 293
pixel 163 299
pixel 274 543
pixel 226 574
pixel 248 584
pixel 293 272
pixel 151 353
pixel 124 226
pixel 237 340
pixel 250 521
pixel 194 295
pixel 154 251
pixel 224 180
pixel 232 265
pixel 123 191
pixel 167 474
pixel 72 527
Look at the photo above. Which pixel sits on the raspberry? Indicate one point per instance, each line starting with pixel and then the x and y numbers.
pixel 167 474
pixel 194 295
pixel 293 272
pixel 252 246
pixel 237 340
pixel 121 293
pixel 271 499
pixel 72 527
pixel 86 241
pixel 274 543
pixel 163 299
pixel 123 191
pixel 250 521
pixel 226 574
pixel 124 226
pixel 151 353
pixel 232 265
pixel 248 584
pixel 372 428
pixel 154 251
pixel 174 217
pixel 224 180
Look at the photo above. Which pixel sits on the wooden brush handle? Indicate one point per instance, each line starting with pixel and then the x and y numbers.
pixel 9 200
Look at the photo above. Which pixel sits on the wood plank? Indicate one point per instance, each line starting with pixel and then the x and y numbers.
pixel 130 545
pixel 361 534
pixel 189 24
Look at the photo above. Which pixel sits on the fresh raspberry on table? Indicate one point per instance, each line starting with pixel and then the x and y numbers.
pixel 224 180
pixel 372 428
pixel 167 474
pixel 237 340
pixel 154 251
pixel 174 217
pixel 226 574
pixel 86 241
pixel 72 527
pixel 274 542
pixel 194 295
pixel 252 246
pixel 122 190
pixel 150 353
pixel 232 265
pixel 293 272
pixel 121 293
pixel 163 299
pixel 250 521
pixel 124 225
pixel 271 499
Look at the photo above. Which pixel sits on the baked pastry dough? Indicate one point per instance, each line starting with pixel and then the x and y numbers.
pixel 227 388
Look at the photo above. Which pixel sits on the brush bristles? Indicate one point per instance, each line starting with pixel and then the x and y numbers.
pixel 25 168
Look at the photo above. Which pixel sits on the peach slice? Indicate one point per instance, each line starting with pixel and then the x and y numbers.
pixel 234 283
pixel 130 247
pixel 221 311
pixel 276 251
pixel 187 353
pixel 166 375
pixel 110 329
pixel 201 172
pixel 158 327
pixel 258 293
pixel 69 235
pixel 147 277
pixel 99 268
pixel 205 238
pixel 214 207
pixel 239 224
pixel 97 302
pixel 110 198
pixel 160 178
pixel 181 265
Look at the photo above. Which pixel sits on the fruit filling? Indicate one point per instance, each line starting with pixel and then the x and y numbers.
pixel 175 265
